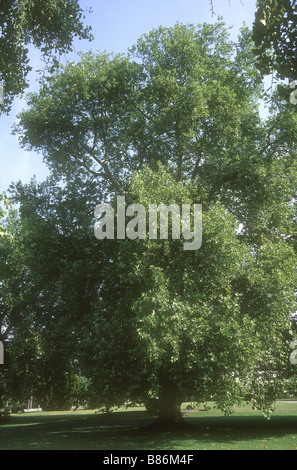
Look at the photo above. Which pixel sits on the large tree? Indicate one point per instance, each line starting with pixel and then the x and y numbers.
pixel 170 324
pixel 206 324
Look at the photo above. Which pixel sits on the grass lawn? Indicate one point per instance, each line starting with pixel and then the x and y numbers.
pixel 126 430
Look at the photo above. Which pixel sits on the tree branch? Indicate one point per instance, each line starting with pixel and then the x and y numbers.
pixel 196 169
pixel 213 13
pixel 211 8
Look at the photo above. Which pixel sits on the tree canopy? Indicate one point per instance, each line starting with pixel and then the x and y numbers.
pixel 168 100
pixel 175 120
pixel 274 34
pixel 50 26
pixel 50 273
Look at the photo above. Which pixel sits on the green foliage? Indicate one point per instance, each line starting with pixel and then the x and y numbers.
pixel 167 101
pixel 205 322
pixel 274 34
pixel 175 121
pixel 15 315
pixel 5 204
pixel 49 280
pixel 50 26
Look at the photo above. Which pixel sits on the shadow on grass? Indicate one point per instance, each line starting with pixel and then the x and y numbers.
pixel 132 430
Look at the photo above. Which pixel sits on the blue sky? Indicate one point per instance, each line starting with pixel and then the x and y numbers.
pixel 116 24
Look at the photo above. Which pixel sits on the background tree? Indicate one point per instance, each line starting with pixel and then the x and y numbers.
pixel 50 26
pixel 55 256
pixel 15 315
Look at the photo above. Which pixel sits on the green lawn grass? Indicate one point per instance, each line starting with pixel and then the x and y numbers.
pixel 126 430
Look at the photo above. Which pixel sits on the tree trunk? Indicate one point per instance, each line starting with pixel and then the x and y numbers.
pixel 168 408
pixel 169 413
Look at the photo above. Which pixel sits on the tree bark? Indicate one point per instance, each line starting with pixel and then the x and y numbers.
pixel 168 408
pixel 169 413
